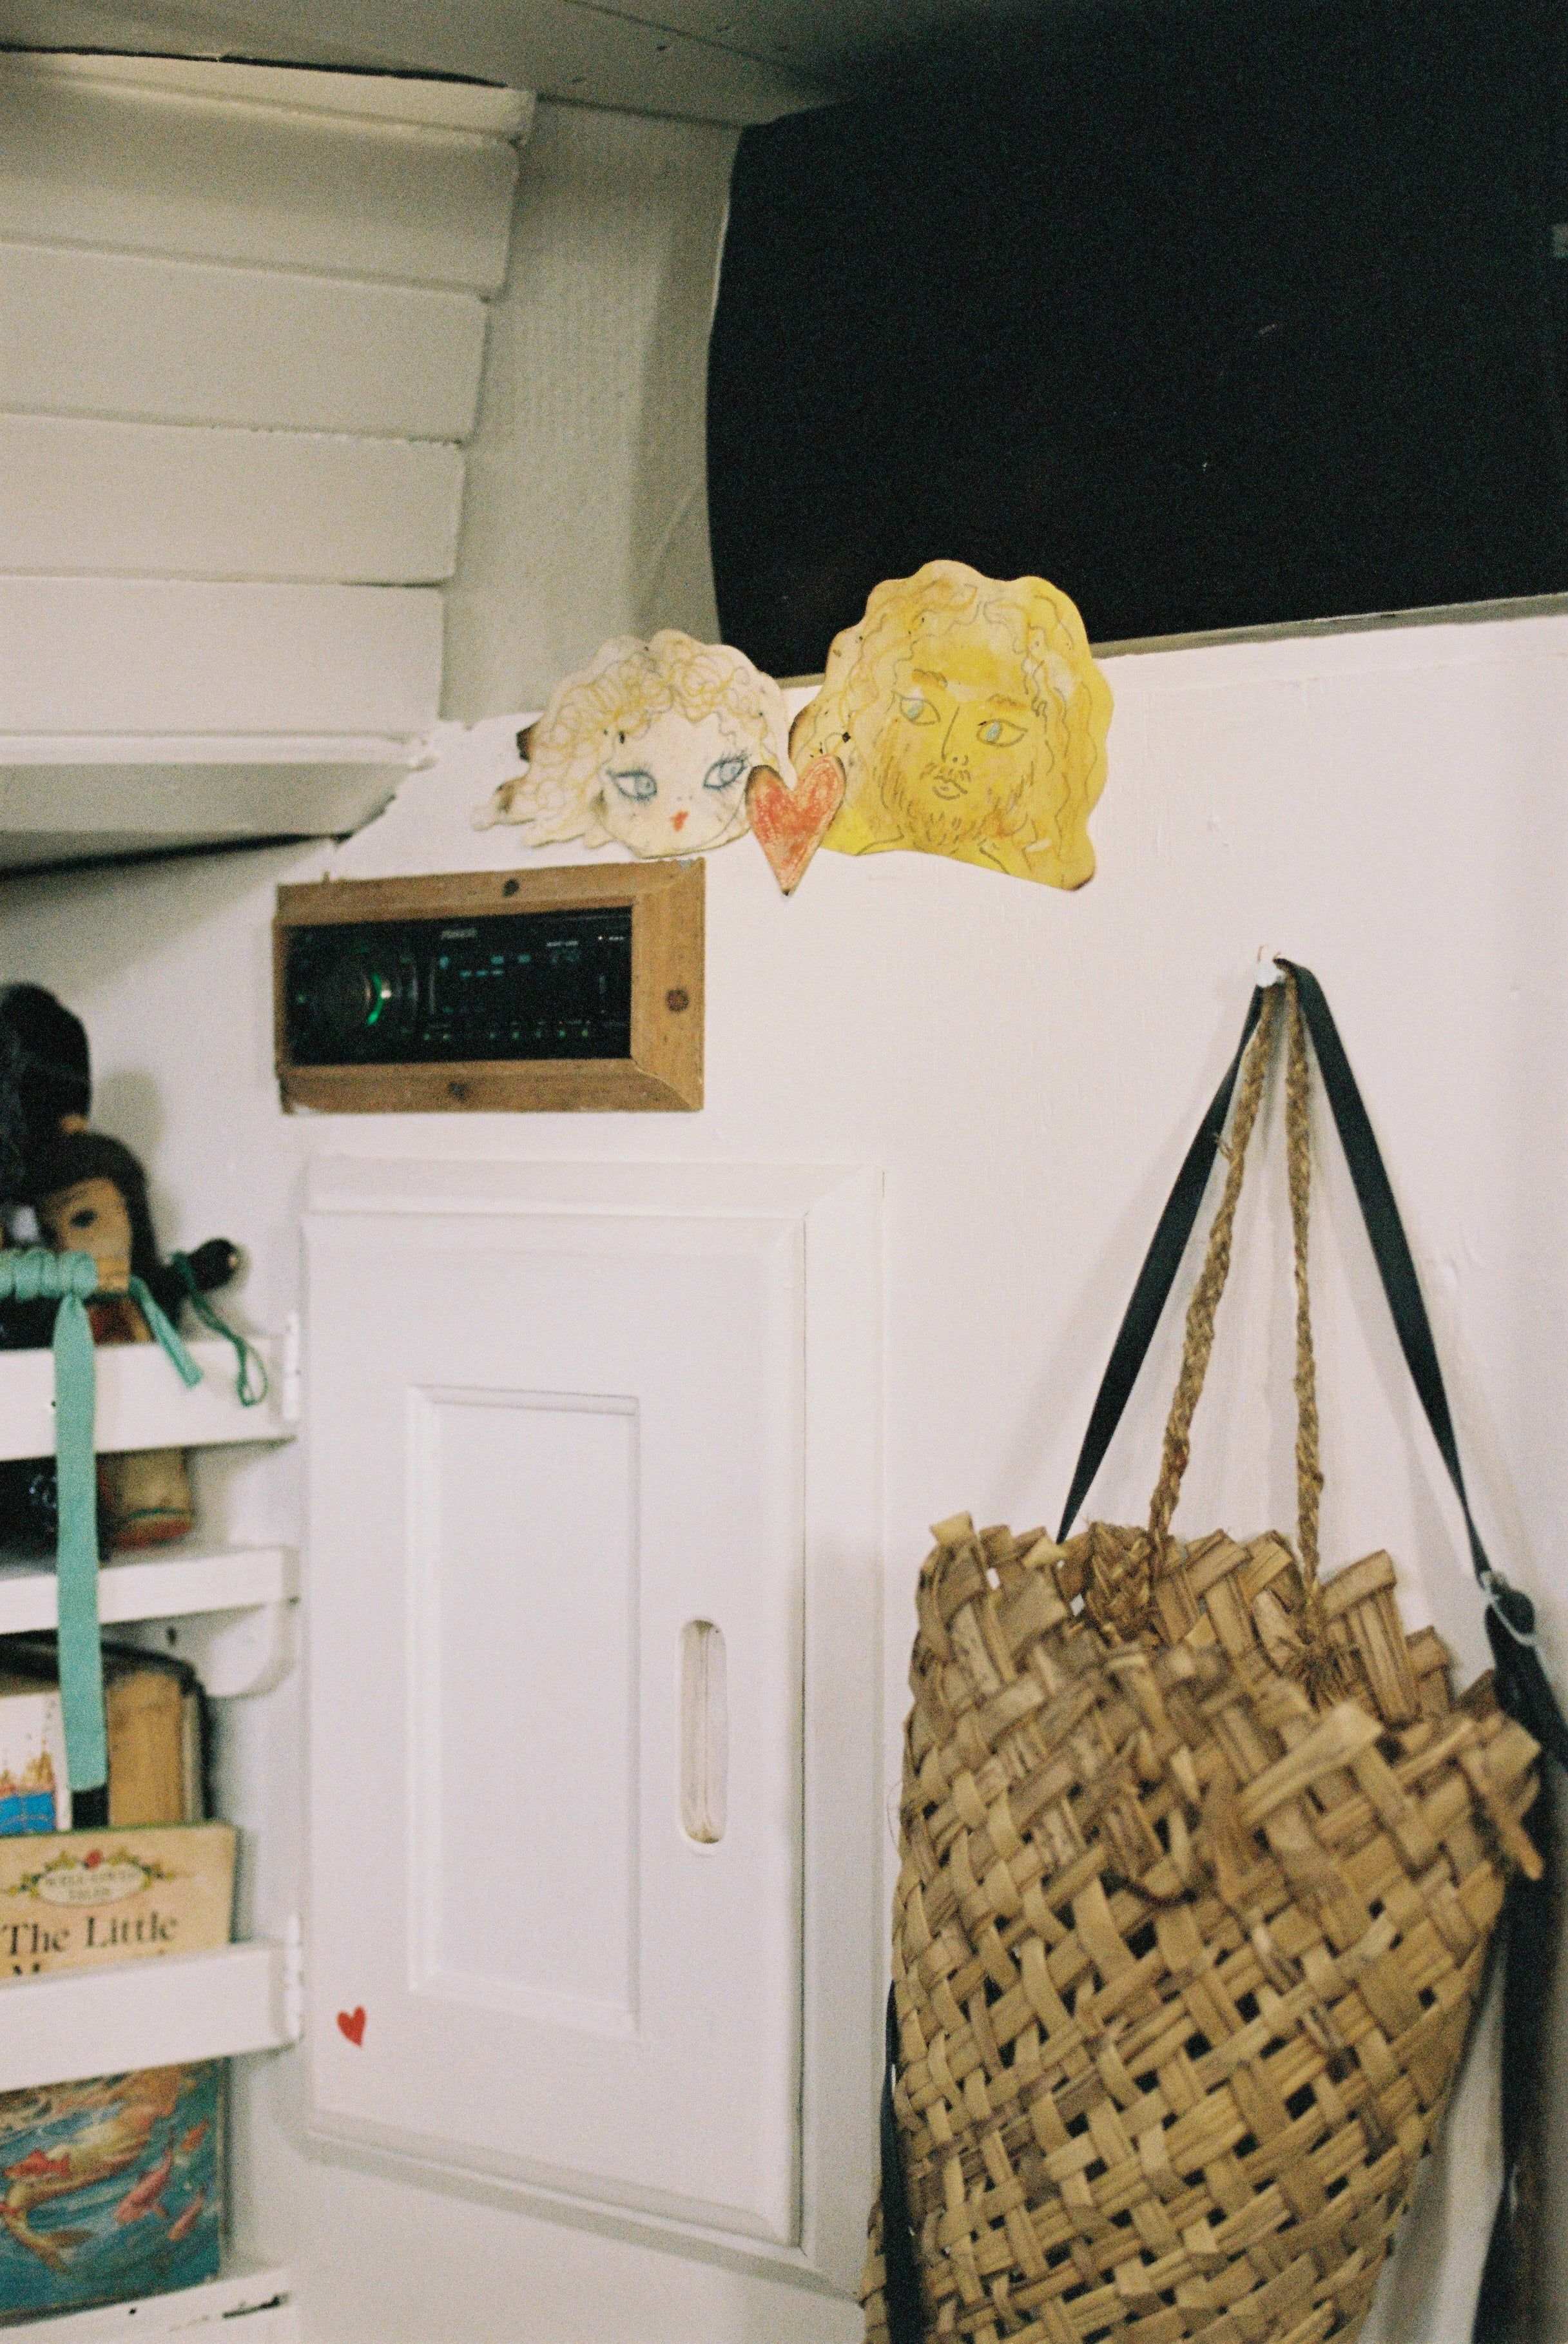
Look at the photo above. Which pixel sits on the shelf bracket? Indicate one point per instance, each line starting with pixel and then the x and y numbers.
pixel 234 1654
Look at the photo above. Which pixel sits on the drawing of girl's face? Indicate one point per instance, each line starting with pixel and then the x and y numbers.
pixel 675 787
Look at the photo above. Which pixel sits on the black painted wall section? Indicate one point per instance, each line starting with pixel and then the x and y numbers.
pixel 1215 315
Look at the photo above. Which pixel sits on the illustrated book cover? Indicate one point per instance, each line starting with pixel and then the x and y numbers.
pixel 33 1793
pixel 110 2190
pixel 74 1899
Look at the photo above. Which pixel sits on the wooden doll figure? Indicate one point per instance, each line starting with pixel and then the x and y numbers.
pixel 91 1197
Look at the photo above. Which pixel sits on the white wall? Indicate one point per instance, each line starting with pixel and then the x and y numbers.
pixel 586 513
pixel 1026 1067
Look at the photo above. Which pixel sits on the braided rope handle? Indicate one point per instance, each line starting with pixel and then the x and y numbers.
pixel 1282 1008
pixel 1197 1342
pixel 1298 1168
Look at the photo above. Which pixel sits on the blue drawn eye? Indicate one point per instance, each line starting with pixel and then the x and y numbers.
pixel 639 786
pixel 998 734
pixel 726 773
pixel 919 710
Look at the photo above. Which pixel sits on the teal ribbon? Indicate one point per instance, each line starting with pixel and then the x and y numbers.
pixel 69 1279
pixel 164 1333
pixel 250 1382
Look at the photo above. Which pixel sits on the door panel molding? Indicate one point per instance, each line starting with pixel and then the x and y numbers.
pixel 804 1242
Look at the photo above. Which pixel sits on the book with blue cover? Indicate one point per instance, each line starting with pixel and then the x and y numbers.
pixel 110 2190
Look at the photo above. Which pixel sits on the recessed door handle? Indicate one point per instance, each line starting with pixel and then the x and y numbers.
pixel 704 1733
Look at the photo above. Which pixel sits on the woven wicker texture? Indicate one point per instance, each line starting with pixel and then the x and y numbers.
pixel 1200 1863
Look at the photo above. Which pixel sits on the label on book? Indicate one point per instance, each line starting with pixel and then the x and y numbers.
pixel 74 1899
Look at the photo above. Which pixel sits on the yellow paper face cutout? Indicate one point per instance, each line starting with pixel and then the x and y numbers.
pixel 970 720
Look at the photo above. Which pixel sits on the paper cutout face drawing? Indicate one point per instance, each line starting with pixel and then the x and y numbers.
pixel 651 745
pixel 970 720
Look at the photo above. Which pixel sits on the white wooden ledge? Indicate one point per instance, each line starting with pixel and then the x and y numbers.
pixel 70 2025
pixel 141 1402
pixel 176 1584
pixel 258 2295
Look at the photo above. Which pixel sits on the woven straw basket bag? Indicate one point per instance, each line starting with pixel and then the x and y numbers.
pixel 1200 1863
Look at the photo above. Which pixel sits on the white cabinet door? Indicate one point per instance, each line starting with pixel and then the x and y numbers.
pixel 607 1928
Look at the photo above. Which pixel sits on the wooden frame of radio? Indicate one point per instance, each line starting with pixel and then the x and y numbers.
pixel 664 1068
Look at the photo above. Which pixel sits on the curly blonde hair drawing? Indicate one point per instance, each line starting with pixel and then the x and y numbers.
pixel 970 720
pixel 649 744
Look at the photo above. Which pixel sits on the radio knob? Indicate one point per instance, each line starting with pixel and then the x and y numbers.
pixel 350 995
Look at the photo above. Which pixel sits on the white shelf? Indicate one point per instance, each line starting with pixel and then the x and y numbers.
pixel 79 800
pixel 70 2025
pixel 141 1402
pixel 180 1584
pixel 258 2295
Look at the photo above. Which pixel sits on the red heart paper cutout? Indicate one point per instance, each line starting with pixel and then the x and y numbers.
pixel 791 824
pixel 351 2023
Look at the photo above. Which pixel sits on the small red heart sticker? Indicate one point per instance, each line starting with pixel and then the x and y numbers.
pixel 351 2023
pixel 791 824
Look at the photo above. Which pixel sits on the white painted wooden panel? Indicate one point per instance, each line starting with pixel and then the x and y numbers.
pixel 125 655
pixel 172 1586
pixel 183 341
pixel 581 1990
pixel 141 1402
pixel 592 414
pixel 257 2293
pixel 531 1492
pixel 76 2023
pixel 53 811
pixel 377 97
pixel 586 55
pixel 190 501
pixel 584 1423
pixel 144 171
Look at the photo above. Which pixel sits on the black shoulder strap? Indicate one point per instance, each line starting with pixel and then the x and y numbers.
pixel 1511 1616
pixel 1155 1279
pixel 900 2267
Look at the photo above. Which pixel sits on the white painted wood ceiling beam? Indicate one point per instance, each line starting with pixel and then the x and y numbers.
pixel 563 49
pixel 178 501
pixel 733 61
pixel 241 325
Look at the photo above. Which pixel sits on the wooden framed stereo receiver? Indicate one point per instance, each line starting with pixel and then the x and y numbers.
pixel 539 991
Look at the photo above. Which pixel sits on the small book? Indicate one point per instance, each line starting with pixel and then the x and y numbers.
pixel 143 1714
pixel 34 1796
pixel 154 1719
pixel 77 1899
pixel 112 2189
